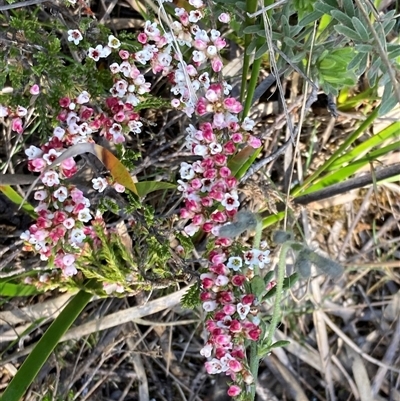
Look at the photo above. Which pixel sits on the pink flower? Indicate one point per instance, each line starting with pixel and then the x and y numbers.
pixel 232 105
pixel 142 38
pixel 34 90
pixel 224 18
pixel 234 390
pixel 17 125
pixel 216 64
pixel 254 142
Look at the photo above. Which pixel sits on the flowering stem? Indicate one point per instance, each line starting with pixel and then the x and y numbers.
pixel 279 286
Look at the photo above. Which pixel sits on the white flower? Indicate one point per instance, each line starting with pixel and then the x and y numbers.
pixel 51 156
pixel 242 310
pixel 3 111
pixel 99 184
pixel 59 132
pixel 61 194
pixel 21 111
pixel 50 178
pixel 33 152
pixel 84 215
pixel 84 97
pixel 200 150
pixel 125 68
pixel 221 280
pixel 198 56
pixel 95 53
pixel 41 195
pixel 69 223
pixel 251 257
pixel 134 126
pixel 234 263
pixel 209 306
pixel 230 201
pixel 113 42
pixel 248 124
pixel 186 171
pixel 106 52
pixel 77 236
pixel 115 68
pixel 70 271
pixel 191 230
pixel 74 36
pixel 195 16
pixel 68 259
pixel 263 259
pixel 206 350
pixel 196 3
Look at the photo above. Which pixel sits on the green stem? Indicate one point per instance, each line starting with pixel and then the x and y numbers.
pixel 278 297
pixel 251 6
pixel 254 363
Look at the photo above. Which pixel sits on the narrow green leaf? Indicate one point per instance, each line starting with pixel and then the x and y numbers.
pixel 33 363
pixel 310 18
pixel 342 18
pixel 145 187
pixel 261 51
pixel 317 174
pixel 345 172
pixel 252 46
pixel 16 198
pixel 392 131
pixel 272 219
pixel 389 100
pixel 323 8
pixel 17 290
pixel 252 29
pixel 279 344
pixel 240 159
pixel 349 7
pixel 360 28
pixel 348 32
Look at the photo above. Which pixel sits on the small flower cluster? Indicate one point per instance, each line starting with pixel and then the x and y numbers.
pixel 232 313
pixel 59 232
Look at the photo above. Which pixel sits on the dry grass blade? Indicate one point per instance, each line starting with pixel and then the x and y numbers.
pixel 115 319
pixel 355 347
pixel 287 379
pixel 360 375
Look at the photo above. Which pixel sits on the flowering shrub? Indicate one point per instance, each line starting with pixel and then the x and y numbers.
pixel 232 288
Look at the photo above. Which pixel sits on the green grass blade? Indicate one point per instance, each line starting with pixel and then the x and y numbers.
pixel 317 174
pixel 392 131
pixel 251 6
pixel 17 199
pixel 33 363
pixel 346 172
pixel 146 187
pixel 17 290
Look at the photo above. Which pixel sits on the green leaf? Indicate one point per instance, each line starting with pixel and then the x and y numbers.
pixel 240 160
pixel 252 29
pixel 389 100
pixel 261 51
pixel 36 359
pixel 145 187
pixel 17 290
pixel 279 344
pixel 252 46
pixel 310 18
pixel 342 18
pixel 349 7
pixel 348 32
pixel 360 28
pixel 17 199
pixel 257 286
